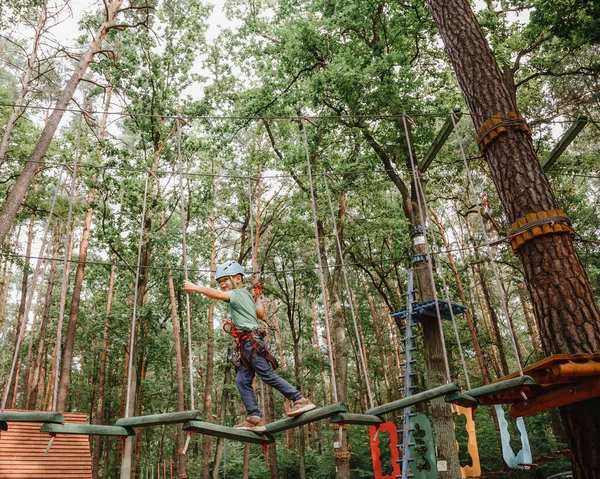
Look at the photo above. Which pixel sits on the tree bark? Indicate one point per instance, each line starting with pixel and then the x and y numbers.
pixel 36 159
pixel 564 306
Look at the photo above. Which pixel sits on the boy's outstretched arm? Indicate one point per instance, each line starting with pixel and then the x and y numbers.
pixel 206 291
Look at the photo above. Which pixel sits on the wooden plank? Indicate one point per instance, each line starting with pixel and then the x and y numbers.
pixel 88 429
pixel 440 139
pixel 359 419
pixel 414 399
pixel 160 419
pixel 500 387
pixel 563 396
pixel 216 430
pixel 306 418
pixel 32 416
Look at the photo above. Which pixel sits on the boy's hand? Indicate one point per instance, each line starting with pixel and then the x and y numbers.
pixel 188 286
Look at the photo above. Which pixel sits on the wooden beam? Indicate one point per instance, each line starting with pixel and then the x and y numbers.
pixel 307 417
pixel 359 419
pixel 87 429
pixel 501 386
pixel 217 430
pixel 32 416
pixel 440 139
pixel 159 419
pixel 572 393
pixel 565 141
pixel 414 399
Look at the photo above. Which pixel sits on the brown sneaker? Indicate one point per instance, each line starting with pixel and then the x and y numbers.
pixel 300 406
pixel 252 423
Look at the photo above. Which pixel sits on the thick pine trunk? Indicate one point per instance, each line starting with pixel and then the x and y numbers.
pixel 565 310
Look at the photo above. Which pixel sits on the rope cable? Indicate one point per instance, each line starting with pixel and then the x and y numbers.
pixel 188 313
pixel 320 262
pixel 349 293
pixel 475 199
pixel 420 194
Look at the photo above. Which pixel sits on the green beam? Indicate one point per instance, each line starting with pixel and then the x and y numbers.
pixel 159 419
pixel 307 417
pixel 88 429
pixel 440 139
pixel 501 386
pixel 32 416
pixel 461 399
pixel 3 426
pixel 217 430
pixel 359 419
pixel 565 141
pixel 414 399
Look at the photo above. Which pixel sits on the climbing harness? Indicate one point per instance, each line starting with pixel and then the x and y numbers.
pixel 258 346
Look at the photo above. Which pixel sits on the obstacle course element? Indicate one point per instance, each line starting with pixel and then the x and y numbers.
pixel 474 470
pixel 159 419
pixel 414 399
pixel 426 310
pixel 502 391
pixel 226 432
pixel 32 416
pixel 356 419
pixel 308 417
pixel 87 429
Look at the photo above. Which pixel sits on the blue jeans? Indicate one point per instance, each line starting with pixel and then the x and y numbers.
pixel 265 372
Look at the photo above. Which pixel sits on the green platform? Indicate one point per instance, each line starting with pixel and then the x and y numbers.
pixel 32 416
pixel 87 429
pixel 159 419
pixel 209 429
pixel 306 418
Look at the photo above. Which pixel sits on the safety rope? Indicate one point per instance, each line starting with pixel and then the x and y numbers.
pixel 188 313
pixel 29 300
pixel 354 315
pixel 475 199
pixel 320 262
pixel 420 194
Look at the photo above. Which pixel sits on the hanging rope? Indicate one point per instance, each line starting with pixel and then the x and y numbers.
pixel 349 293
pixel 320 262
pixel 135 300
pixel 475 199
pixel 188 313
pixel 420 194
pixel 29 300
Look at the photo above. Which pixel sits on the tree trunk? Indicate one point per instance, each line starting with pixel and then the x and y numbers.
pixel 67 359
pixel 564 306
pixel 36 159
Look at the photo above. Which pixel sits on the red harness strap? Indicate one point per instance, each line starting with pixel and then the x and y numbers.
pixel 240 337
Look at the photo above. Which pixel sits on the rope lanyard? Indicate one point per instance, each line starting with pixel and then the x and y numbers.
pixel 320 262
pixel 420 194
pixel 65 276
pixel 135 300
pixel 29 300
pixel 185 267
pixel 475 199
pixel 349 294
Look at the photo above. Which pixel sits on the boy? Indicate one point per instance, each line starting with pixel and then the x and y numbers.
pixel 245 311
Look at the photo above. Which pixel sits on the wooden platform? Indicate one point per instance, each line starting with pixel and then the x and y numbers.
pixel 22 452
pixel 561 379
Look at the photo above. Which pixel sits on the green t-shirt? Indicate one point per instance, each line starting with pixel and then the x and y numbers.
pixel 242 309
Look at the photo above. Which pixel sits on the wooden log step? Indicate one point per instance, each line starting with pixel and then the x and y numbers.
pixel 358 419
pixel 88 429
pixel 414 399
pixel 306 418
pixel 160 419
pixel 461 399
pixel 216 430
pixel 501 386
pixel 32 416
